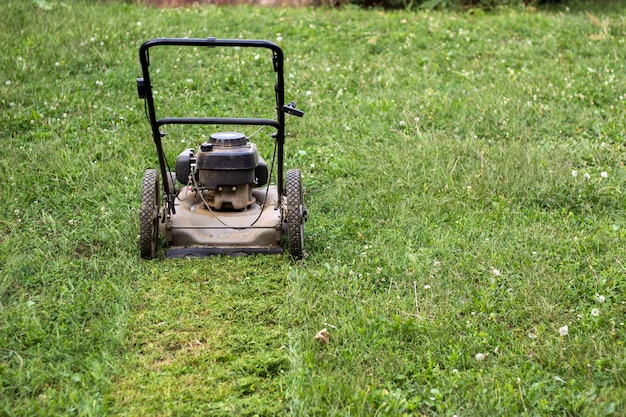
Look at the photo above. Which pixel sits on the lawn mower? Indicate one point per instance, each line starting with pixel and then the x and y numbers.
pixel 218 199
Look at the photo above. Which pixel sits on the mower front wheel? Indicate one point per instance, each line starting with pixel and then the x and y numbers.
pixel 296 213
pixel 149 215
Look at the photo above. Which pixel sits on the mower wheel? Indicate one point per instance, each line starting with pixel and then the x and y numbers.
pixel 148 214
pixel 296 213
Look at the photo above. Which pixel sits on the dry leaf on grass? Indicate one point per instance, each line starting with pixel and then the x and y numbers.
pixel 322 336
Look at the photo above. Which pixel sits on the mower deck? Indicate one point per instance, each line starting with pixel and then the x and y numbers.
pixel 197 231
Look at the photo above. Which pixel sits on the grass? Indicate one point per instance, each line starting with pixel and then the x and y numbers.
pixel 212 334
pixel 464 175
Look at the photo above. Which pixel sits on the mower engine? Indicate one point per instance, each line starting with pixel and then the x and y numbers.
pixel 225 170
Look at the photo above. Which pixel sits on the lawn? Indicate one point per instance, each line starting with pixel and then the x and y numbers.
pixel 464 175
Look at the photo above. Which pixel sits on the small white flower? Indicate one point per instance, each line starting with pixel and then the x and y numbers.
pixel 563 331
pixel 480 357
pixel 437 263
pixel 604 174
pixel 8 82
pixel 600 298
pixel 279 38
pixel 189 81
pixel 427 287
pixel 57 64
pixel 495 272
pixel 99 83
pixel 587 176
pixel 138 23
pixel 308 93
pixel 574 173
pixel 256 57
pixel 595 312
pixel 402 123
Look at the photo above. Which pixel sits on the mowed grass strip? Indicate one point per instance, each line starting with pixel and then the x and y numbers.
pixel 208 341
pixel 465 179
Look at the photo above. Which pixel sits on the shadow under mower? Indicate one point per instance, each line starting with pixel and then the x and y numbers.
pixel 226 204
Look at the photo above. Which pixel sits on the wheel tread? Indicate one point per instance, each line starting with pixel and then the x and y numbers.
pixel 149 204
pixel 294 219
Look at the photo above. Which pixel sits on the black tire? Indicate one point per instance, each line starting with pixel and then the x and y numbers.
pixel 148 215
pixel 295 213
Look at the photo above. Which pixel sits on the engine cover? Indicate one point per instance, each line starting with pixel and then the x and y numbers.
pixel 227 159
pixel 227 166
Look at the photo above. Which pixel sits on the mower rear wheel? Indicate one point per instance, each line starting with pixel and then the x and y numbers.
pixel 149 215
pixel 295 213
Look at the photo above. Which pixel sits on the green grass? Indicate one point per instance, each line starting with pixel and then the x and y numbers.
pixel 438 152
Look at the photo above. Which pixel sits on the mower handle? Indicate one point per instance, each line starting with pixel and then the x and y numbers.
pixel 210 43
pixel 216 121
pixel 145 86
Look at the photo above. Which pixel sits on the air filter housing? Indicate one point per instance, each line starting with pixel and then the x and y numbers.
pixel 228 167
pixel 227 159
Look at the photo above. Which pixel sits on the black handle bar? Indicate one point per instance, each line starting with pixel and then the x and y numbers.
pixel 216 121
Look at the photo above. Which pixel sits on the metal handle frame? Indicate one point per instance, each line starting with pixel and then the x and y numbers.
pixel 146 93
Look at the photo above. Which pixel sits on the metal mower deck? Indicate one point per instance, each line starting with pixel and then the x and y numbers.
pixel 197 231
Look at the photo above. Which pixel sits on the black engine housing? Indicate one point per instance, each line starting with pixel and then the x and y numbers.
pixel 228 159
